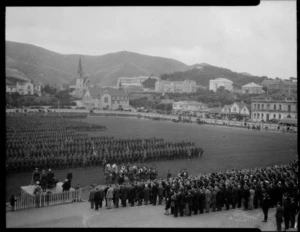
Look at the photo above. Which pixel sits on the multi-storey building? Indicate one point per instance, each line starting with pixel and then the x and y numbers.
pixel 133 81
pixel 252 88
pixel 278 84
pixel 187 86
pixel 188 106
pixel 265 109
pixel 219 82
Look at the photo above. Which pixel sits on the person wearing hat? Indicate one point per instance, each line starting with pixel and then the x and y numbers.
pixel 246 195
pixel 279 215
pixel 286 210
pixel 265 205
pixel 97 198
pixel 92 196
pixel 66 185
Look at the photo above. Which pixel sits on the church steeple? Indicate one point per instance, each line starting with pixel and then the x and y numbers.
pixel 79 71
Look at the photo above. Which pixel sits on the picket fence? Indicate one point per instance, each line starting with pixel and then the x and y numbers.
pixel 45 200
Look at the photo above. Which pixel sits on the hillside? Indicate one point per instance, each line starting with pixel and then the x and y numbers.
pixel 50 67
pixel 202 73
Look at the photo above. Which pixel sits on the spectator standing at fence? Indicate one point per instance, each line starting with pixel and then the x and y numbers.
pixel 92 196
pixel 12 202
pixel 66 185
pixel 293 212
pixel 36 175
pixel 286 210
pixel 69 177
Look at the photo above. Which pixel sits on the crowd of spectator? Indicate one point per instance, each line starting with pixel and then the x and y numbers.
pixel 185 195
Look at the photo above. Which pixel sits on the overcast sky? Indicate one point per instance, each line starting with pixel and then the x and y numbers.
pixel 260 40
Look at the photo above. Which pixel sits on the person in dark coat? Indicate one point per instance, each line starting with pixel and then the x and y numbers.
pixel 131 195
pixel 97 197
pixel 189 199
pixel 286 210
pixel 181 202
pixel 219 199
pixel 279 215
pixel 239 196
pixel 69 177
pixel 124 194
pixel 293 212
pixel 228 197
pixel 160 194
pixel 12 202
pixel 168 204
pixel 105 193
pixel 66 185
pixel 214 199
pixel 265 205
pixel 116 195
pixel 201 201
pixel 246 195
pixel 154 193
pixel 196 201
pixel 146 194
pixel 176 205
pixel 234 196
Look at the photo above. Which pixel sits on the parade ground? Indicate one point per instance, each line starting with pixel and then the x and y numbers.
pixel 224 148
pixel 78 215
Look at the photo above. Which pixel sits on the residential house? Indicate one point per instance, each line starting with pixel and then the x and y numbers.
pixel 219 82
pixel 252 88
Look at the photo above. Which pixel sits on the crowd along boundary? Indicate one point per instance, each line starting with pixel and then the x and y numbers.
pixel 217 122
pixel 45 200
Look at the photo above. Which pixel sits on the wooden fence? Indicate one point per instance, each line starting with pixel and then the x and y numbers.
pixel 48 199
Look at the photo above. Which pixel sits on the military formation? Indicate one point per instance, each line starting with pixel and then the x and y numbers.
pixel 51 141
pixel 185 195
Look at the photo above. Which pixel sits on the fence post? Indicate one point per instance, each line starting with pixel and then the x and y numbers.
pixel 40 200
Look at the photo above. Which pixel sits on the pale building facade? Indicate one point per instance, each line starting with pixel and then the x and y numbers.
pixel 188 106
pixel 236 108
pixel 133 81
pixel 109 98
pixel 252 88
pixel 187 86
pixel 267 108
pixel 23 88
pixel 217 83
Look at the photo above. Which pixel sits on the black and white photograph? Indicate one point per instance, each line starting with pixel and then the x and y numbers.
pixel 152 117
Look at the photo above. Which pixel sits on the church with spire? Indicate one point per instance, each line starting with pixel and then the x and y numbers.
pixel 81 84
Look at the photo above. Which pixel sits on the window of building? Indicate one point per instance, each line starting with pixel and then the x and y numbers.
pixel 279 116
pixel 289 107
pixel 274 106
pixel 262 115
pixel 279 108
pixel 274 116
pixel 257 115
pixel 262 106
pixel 268 106
pixel 106 100
pixel 234 109
pixel 254 106
pixel 258 106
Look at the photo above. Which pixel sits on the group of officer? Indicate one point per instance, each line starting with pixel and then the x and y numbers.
pixel 186 195
pixel 129 173
pixel 48 141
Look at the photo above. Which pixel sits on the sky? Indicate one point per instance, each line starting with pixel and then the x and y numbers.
pixel 260 40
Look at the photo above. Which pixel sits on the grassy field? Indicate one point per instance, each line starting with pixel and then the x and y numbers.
pixel 224 148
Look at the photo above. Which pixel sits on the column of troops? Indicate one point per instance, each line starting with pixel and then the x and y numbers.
pixel 43 141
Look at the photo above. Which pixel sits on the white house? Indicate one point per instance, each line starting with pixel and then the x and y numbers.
pixel 217 83
pixel 239 108
pixel 252 88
